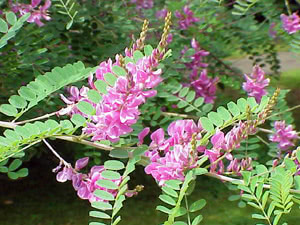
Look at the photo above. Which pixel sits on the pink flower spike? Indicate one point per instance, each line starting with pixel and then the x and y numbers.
pixel 186 18
pixel 143 134
pixel 256 83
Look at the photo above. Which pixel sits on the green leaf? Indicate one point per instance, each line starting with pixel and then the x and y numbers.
pixel 27 93
pixel 8 110
pixel 101 205
pixel 197 220
pixel 111 175
pixel 206 124
pixel 148 50
pixel 215 118
pixel 224 114
pixel 104 195
pixel 174 184
pixel 3 169
pixel 189 52
pixel 101 86
pixel 180 223
pixel 190 96
pixel 234 197
pixel 198 205
pixel 167 199
pixel 199 101
pixel 170 191
pixel 78 120
pixel 17 101
pixel 200 171
pixel 107 184
pixel 69 24
pixel 94 96
pixel 113 165
pixel 120 71
pixel 96 223
pixel 98 214
pixel 12 175
pixel 119 153
pixel 15 165
pixel 22 172
pixel 233 108
pixel 137 55
pixel 86 108
pixel 258 216
pixel 3 26
pixel 183 92
pixel 242 104
pixel 110 79
pixel 11 18
pixel 163 209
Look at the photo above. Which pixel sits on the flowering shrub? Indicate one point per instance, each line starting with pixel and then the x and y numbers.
pixel 160 104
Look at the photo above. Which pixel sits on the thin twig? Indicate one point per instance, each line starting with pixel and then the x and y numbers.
pixel 56 154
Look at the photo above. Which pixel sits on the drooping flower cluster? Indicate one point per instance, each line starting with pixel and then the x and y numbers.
pixel 284 135
pixel 203 85
pixel 186 18
pixel 291 24
pixel 224 144
pixel 256 83
pixel 172 156
pixel 37 12
pixel 143 4
pixel 85 184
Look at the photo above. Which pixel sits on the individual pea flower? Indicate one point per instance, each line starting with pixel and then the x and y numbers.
pixel 291 24
pixel 36 13
pixel 256 83
pixel 204 86
pixel 143 4
pixel 284 135
pixel 186 18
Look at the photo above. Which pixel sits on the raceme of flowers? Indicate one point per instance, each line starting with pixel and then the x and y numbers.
pixel 256 83
pixel 284 135
pixel 171 157
pixel 118 109
pixel 186 18
pixel 177 152
pixel 85 184
pixel 37 12
pixel 227 143
pixel 291 24
pixel 203 85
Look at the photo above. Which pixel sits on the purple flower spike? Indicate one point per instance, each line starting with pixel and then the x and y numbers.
pixel 186 19
pixel 143 4
pixel 36 13
pixel 81 163
pixel 291 24
pixel 256 83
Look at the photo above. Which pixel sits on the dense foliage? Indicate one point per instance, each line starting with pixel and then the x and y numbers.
pixel 169 81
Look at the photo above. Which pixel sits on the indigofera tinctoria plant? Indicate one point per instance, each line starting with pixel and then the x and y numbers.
pixel 161 104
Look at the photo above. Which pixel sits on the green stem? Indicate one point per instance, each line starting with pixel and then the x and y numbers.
pixel 187 209
pixel 287 4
